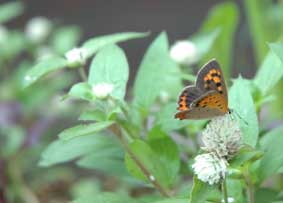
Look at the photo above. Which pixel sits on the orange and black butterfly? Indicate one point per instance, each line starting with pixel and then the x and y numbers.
pixel 207 98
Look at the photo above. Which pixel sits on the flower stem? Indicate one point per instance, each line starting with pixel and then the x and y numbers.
pixel 224 191
pixel 82 73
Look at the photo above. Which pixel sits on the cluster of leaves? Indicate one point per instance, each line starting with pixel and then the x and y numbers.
pixel 132 136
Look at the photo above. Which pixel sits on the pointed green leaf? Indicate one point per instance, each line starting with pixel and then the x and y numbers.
pixel 110 66
pixel 156 73
pixel 84 129
pixel 42 68
pixel 96 43
pixel 82 91
pixel 241 101
pixel 270 72
pixel 10 10
pixel 272 159
pixel 224 17
pixel 61 151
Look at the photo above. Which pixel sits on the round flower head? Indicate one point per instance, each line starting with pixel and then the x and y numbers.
pixel 37 29
pixel 102 90
pixel 76 57
pixel 222 136
pixel 184 52
pixel 210 168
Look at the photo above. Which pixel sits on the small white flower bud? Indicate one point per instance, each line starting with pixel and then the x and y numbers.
pixel 184 52
pixel 230 200
pixel 102 90
pixel 37 29
pixel 222 136
pixel 76 57
pixel 164 96
pixel 210 168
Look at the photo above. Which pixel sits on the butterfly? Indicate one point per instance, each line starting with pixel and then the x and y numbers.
pixel 207 98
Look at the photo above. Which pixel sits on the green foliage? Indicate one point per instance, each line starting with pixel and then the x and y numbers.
pixel 272 159
pixel 224 18
pixel 156 73
pixel 43 68
pixel 10 10
pixel 201 191
pixel 159 155
pixel 241 101
pixel 110 66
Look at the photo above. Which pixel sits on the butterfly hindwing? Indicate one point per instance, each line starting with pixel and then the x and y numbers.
pixel 187 96
pixel 209 105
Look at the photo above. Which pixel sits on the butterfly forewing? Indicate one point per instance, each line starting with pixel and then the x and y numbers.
pixel 210 77
pixel 187 96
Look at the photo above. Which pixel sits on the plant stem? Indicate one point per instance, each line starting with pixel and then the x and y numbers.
pixel 224 191
pixel 250 187
pixel 82 73
pixel 142 167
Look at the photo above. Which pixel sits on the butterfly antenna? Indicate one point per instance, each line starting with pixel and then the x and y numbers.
pixel 232 111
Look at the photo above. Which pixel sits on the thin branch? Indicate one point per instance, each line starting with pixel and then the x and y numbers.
pixel 224 191
pixel 82 73
pixel 142 167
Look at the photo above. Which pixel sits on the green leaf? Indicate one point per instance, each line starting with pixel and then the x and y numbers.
pixel 93 115
pixel 224 17
pixel 156 73
pixel 241 101
pixel 159 155
pixel 269 73
pixel 42 68
pixel 105 198
pixel 105 157
pixel 82 91
pixel 235 190
pixel 84 129
pixel 271 143
pixel 165 118
pixel 205 40
pixel 277 49
pixel 201 191
pixel 61 151
pixel 167 152
pixel 94 44
pixel 245 155
pixel 256 15
pixel 264 195
pixel 10 10
pixel 65 38
pixel 110 66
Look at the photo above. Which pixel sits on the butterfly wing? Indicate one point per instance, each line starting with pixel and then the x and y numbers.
pixel 210 77
pixel 188 95
pixel 209 105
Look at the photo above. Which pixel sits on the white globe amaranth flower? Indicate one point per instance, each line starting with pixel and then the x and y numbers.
pixel 76 57
pixel 37 29
pixel 222 136
pixel 102 90
pixel 210 168
pixel 184 52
